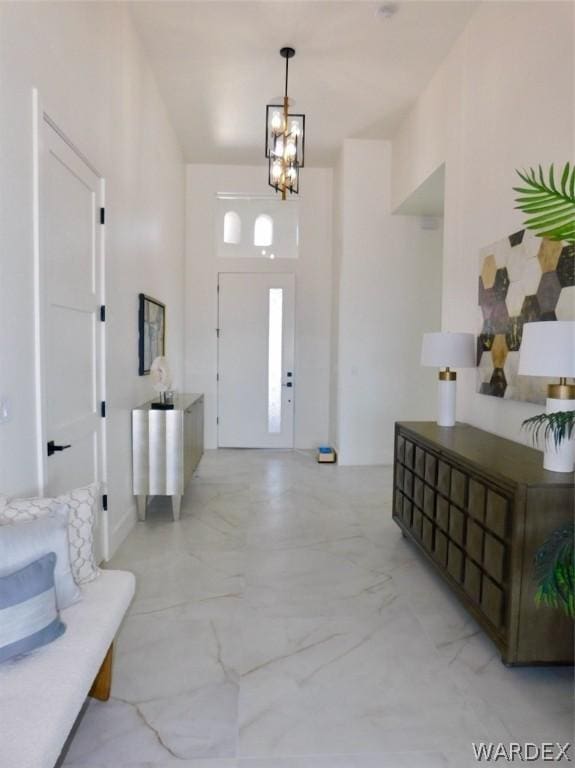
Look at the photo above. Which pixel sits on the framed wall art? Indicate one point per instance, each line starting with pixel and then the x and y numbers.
pixel 152 332
pixel 522 279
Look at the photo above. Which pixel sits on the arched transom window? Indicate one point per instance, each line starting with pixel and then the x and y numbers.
pixel 263 231
pixel 232 228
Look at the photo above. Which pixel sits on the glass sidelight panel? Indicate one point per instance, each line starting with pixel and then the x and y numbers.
pixel 275 360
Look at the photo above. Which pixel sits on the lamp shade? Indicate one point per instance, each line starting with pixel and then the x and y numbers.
pixel 548 349
pixel 450 350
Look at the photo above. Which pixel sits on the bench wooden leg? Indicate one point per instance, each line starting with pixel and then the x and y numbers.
pixel 102 685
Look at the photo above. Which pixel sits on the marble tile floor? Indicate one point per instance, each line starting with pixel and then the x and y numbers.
pixel 285 623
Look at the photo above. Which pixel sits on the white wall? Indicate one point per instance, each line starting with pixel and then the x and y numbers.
pixel 389 294
pixel 313 290
pixel 88 66
pixel 503 99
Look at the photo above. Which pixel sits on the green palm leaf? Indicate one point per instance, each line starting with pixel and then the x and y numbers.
pixel 550 205
pixel 555 571
pixel 559 425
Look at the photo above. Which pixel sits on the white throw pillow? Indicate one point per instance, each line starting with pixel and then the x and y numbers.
pixel 83 505
pixel 22 544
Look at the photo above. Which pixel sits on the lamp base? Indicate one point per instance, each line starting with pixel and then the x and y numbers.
pixel 446 389
pixel 562 458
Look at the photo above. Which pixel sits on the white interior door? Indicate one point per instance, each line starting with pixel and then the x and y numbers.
pixel 70 295
pixel 256 377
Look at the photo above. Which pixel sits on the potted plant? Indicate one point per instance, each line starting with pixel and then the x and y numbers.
pixel 551 214
pixel 558 426
pixel 555 559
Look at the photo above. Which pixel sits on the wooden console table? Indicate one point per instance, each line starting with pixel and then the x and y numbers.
pixel 166 449
pixel 479 507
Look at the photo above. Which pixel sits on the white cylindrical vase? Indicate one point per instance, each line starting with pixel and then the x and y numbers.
pixel 561 458
pixel 446 389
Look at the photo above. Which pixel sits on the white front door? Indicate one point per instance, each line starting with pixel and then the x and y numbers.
pixel 256 377
pixel 70 330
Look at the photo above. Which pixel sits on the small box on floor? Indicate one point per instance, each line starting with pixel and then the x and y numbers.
pixel 326 455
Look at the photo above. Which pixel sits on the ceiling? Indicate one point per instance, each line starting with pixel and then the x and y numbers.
pixel 354 74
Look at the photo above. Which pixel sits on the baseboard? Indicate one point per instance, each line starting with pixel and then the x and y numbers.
pixel 122 528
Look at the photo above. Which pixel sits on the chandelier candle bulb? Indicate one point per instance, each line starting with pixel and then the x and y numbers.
pixel 290 150
pixel 277 123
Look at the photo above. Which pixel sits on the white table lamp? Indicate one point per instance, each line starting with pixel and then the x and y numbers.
pixel 447 351
pixel 548 349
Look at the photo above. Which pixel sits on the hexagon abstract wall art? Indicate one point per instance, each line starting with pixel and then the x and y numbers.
pixel 522 279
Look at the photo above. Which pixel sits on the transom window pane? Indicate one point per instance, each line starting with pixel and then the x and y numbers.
pixel 264 231
pixel 232 228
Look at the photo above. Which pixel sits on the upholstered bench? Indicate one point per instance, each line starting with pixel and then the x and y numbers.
pixel 42 693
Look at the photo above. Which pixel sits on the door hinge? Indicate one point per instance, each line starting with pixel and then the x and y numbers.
pixel 105 502
pixel 217 419
pixel 102 215
pixel 103 409
pixel 217 376
pixel 103 313
pixel 218 332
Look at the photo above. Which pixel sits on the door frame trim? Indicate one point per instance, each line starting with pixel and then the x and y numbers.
pixel 41 118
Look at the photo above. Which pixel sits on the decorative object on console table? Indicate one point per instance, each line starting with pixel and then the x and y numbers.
pixel 447 350
pixel 167 446
pixel 162 381
pixel 548 349
pixel 160 405
pixel 152 332
pixel 479 508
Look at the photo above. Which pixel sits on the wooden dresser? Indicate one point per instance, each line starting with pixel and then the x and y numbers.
pixel 479 507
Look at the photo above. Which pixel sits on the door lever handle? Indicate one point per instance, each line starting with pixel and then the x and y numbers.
pixel 53 448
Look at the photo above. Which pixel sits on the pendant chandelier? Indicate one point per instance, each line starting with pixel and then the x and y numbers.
pixel 285 141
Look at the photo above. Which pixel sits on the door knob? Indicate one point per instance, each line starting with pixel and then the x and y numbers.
pixel 53 448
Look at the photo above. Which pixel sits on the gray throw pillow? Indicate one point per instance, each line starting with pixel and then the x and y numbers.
pixel 28 614
pixel 22 544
